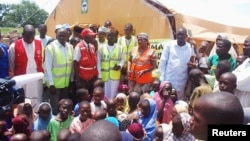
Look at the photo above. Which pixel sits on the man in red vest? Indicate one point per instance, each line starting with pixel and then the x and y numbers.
pixel 25 57
pixel 85 61
pixel 26 54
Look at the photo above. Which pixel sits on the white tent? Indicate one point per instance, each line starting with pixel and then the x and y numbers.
pixel 205 19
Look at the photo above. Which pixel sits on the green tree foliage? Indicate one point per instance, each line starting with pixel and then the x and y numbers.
pixel 24 13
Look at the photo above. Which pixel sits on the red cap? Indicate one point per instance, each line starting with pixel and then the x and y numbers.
pixel 87 31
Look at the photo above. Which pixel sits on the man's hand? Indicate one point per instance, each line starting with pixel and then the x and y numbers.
pixel 117 67
pixel 52 89
pixel 165 95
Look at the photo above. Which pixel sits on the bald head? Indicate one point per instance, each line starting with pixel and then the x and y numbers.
pixel 74 136
pixel 230 76
pixel 216 108
pixel 133 100
pixel 28 33
pixel 46 135
pixel 63 134
pixel 19 137
pixel 107 24
pixel 228 82
pixel 37 136
pixel 103 130
pixel 100 114
pixel 195 73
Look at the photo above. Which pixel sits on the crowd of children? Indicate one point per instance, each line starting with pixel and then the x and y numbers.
pixel 155 112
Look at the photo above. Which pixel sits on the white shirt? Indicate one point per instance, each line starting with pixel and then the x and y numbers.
pixel 173 64
pixel 30 52
pixel 43 40
pixel 77 52
pixel 48 63
pixel 242 73
pixel 110 49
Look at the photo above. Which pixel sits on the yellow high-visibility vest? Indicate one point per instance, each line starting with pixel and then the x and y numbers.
pixel 108 61
pixel 127 48
pixel 62 65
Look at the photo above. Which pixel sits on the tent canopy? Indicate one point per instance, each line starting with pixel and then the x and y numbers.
pixel 204 19
pixel 140 13
pixel 207 18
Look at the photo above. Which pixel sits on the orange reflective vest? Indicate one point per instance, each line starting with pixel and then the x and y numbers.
pixel 87 64
pixel 21 58
pixel 141 62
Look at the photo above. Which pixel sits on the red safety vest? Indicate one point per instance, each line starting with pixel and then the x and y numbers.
pixel 21 58
pixel 88 61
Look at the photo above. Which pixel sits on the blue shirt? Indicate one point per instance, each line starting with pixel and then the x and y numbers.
pixel 4 61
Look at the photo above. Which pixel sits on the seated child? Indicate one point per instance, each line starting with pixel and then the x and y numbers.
pixel 62 120
pixel 97 103
pixel 83 121
pixel 122 103
pixel 44 116
pixel 81 94
pixel 21 125
pixel 155 86
pixel 99 114
pixel 123 88
pixel 162 132
pixel 181 128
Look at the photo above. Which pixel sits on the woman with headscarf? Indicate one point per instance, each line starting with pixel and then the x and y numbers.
pixel 164 102
pixel 148 117
pixel 142 62
pixel 44 116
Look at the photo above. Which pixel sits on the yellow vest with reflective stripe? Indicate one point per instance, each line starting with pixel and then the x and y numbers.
pixel 108 61
pixel 62 65
pixel 127 49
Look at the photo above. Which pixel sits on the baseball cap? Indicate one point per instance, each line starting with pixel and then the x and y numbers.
pixel 86 32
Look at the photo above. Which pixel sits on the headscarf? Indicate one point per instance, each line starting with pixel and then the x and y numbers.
pixel 167 130
pixel 39 123
pixel 126 136
pixel 186 133
pixel 181 106
pixel 113 120
pixel 231 51
pixel 143 35
pixel 167 111
pixel 136 130
pixel 149 122
pixel 122 87
pixel 20 125
pixel 125 105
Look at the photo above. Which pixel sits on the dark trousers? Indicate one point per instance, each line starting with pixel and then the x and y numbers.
pixel 88 84
pixel 55 98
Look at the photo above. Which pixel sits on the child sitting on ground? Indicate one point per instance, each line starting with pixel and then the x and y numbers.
pixel 62 120
pixel 97 103
pixel 81 94
pixel 83 121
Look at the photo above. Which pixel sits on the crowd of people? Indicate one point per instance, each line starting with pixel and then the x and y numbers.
pixel 99 86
